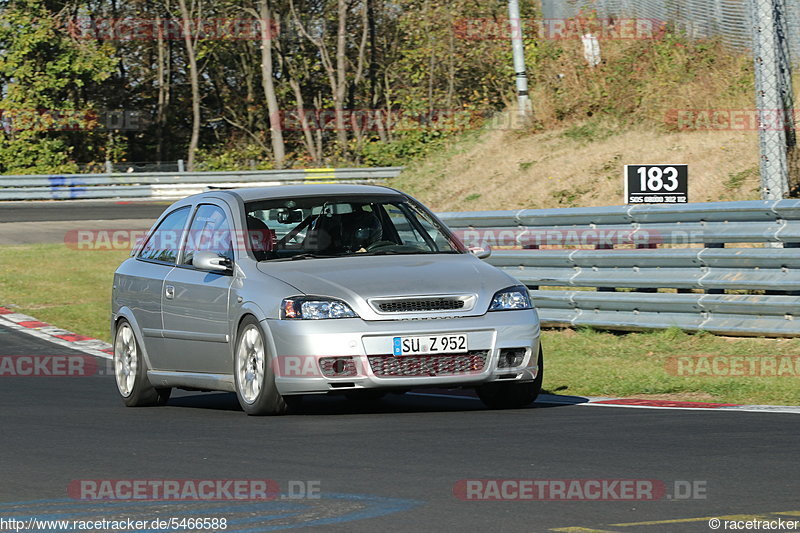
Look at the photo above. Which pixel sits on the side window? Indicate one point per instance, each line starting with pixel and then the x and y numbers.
pixel 163 243
pixel 210 232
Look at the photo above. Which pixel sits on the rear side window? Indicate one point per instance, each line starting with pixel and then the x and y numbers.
pixel 163 243
pixel 210 232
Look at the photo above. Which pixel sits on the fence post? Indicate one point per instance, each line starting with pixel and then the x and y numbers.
pixel 787 95
pixel 770 102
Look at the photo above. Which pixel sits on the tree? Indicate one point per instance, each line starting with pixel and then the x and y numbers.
pixel 268 82
pixel 338 68
pixel 190 39
pixel 46 76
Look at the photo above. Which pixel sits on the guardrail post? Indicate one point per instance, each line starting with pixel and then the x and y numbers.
pixel 531 247
pixel 792 245
pixel 109 167
pixel 649 246
pixel 715 245
pixel 605 247
pixel 181 167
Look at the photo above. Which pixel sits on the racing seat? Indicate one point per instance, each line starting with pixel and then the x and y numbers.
pixel 261 238
pixel 325 235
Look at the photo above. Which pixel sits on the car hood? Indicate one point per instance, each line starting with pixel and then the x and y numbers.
pixel 357 279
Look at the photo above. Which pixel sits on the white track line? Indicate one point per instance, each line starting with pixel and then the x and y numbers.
pixel 94 347
pixel 547 399
pixel 91 347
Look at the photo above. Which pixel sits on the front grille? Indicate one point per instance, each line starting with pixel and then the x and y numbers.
pixel 388 366
pixel 416 305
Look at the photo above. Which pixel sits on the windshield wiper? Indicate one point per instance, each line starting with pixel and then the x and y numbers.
pixel 301 257
pixel 312 256
pixel 395 252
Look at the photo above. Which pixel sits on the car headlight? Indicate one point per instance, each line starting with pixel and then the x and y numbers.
pixel 510 299
pixel 315 309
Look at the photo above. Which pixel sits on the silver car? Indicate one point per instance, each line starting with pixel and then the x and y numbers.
pixel 279 292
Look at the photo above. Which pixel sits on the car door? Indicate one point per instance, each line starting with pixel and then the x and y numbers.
pixel 195 302
pixel 139 286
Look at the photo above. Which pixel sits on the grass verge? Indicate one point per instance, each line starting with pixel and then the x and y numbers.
pixel 72 289
pixel 64 287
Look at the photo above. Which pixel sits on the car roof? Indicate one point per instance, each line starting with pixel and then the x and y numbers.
pixel 248 194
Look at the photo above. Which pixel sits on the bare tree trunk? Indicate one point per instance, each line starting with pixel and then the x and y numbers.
pixel 373 55
pixel 340 89
pixel 194 79
pixel 318 106
pixel 388 99
pixel 451 71
pixel 314 149
pixel 336 69
pixel 275 128
pixel 246 64
pixel 163 92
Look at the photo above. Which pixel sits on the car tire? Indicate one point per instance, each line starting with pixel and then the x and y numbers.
pixel 254 374
pixel 512 395
pixel 130 371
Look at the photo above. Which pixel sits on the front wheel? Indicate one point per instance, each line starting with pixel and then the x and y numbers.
pixel 130 371
pixel 253 373
pixel 512 395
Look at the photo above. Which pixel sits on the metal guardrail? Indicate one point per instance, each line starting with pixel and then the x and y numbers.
pixel 173 185
pixel 726 267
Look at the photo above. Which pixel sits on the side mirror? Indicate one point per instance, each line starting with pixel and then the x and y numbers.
pixel 210 261
pixel 481 252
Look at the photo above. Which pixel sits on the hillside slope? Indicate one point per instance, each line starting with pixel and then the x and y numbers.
pixel 577 166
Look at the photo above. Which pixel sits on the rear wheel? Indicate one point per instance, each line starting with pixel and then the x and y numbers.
pixel 512 395
pixel 254 374
pixel 130 371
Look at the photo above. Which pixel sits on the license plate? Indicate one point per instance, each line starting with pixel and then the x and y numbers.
pixel 430 344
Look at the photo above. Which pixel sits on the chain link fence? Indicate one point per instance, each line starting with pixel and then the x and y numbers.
pixel 769 29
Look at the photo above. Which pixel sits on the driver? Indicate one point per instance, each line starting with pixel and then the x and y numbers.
pixel 361 230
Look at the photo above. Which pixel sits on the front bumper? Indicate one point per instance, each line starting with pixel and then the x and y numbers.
pixel 299 345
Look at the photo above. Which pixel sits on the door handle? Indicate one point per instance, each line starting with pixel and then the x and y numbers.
pixel 169 292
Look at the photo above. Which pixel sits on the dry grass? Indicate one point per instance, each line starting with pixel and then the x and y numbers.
pixel 589 122
pixel 507 170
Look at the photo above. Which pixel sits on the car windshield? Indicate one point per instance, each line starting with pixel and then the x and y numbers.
pixel 337 226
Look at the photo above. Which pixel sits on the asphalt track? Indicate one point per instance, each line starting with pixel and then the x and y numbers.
pixel 390 466
pixel 51 222
pixel 80 210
